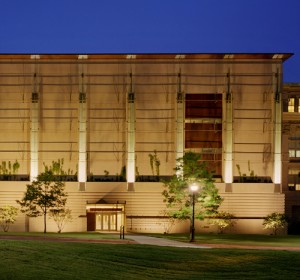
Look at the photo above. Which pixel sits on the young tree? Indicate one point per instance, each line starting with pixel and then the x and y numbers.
pixel 61 217
pixel 275 221
pixel 43 194
pixel 222 220
pixel 177 196
pixel 8 215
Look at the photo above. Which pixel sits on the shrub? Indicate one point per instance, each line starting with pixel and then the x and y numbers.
pixel 8 216
pixel 275 221
pixel 222 220
pixel 61 217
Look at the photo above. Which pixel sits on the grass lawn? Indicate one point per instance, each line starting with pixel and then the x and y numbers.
pixel 56 260
pixel 238 239
pixel 81 235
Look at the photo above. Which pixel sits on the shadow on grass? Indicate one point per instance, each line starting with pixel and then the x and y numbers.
pixel 238 239
pixel 52 260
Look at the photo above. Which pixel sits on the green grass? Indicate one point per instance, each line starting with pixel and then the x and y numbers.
pixel 56 260
pixel 81 235
pixel 238 239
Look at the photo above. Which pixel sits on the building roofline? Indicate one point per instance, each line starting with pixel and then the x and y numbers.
pixel 145 56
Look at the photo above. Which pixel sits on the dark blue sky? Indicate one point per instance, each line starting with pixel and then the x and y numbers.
pixel 149 26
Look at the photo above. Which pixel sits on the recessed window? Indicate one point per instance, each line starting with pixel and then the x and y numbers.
pixel 291 187
pixel 291 106
pixel 294 171
pixel 292 153
pixel 294 187
pixel 294 104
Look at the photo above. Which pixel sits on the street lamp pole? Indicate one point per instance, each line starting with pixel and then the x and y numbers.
pixel 193 189
pixel 193 220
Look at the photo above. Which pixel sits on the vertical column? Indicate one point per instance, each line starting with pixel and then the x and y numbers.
pixel 180 121
pixel 277 129
pixel 34 131
pixel 82 158
pixel 82 133
pixel 130 135
pixel 228 145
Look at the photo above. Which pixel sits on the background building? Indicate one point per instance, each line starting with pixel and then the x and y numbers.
pixel 291 154
pixel 104 114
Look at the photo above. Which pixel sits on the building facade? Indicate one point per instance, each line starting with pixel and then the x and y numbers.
pixel 291 154
pixel 104 114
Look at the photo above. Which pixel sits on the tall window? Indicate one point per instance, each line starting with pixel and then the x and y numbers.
pixel 203 128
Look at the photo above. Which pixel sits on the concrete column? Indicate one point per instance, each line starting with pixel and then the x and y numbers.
pixel 82 158
pixel 34 120
pixel 130 109
pixel 82 126
pixel 180 120
pixel 34 135
pixel 277 127
pixel 228 137
pixel 285 161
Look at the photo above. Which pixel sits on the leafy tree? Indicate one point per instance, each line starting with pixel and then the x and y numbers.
pixel 8 216
pixel 178 198
pixel 43 194
pixel 222 220
pixel 275 221
pixel 61 217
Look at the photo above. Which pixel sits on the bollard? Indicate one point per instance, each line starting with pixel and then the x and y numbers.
pixel 122 232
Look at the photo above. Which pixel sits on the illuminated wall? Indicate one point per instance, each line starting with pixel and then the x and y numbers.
pixel 104 114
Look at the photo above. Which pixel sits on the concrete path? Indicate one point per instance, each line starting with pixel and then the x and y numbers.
pixel 147 240
pixel 143 239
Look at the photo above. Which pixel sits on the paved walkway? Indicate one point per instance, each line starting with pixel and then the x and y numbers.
pixel 143 239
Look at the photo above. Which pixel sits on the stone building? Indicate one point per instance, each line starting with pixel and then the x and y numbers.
pixel 103 114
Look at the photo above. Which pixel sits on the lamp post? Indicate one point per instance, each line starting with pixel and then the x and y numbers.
pixel 193 189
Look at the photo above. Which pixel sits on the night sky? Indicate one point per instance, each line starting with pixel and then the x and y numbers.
pixel 153 26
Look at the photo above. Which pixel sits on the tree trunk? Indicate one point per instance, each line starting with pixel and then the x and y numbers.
pixel 45 221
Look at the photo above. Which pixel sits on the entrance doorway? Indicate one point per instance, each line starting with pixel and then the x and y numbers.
pixel 105 216
pixel 106 221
